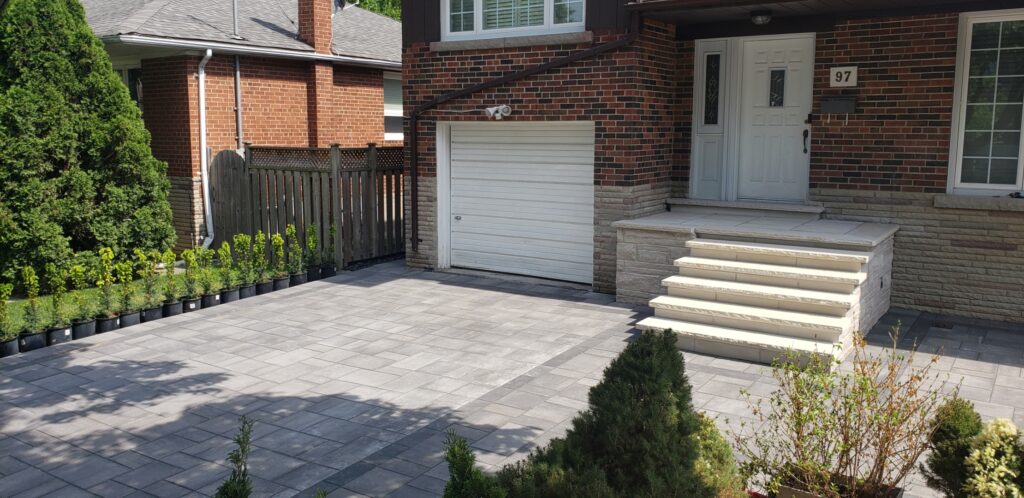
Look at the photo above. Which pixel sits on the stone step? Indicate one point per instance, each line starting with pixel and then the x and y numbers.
pixel 808 326
pixel 779 254
pixel 764 296
pixel 768 274
pixel 740 344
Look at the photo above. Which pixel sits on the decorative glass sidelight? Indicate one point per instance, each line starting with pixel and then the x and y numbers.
pixel 712 83
pixel 777 88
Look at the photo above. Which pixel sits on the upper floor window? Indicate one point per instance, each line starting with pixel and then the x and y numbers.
pixel 990 85
pixel 476 19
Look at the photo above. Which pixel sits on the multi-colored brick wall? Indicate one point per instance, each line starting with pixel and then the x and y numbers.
pixel 278 102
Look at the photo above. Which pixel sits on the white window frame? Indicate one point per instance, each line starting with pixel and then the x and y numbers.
pixel 392 113
pixel 963 52
pixel 478 33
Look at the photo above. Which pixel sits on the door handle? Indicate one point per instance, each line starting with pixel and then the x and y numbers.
pixel 807 133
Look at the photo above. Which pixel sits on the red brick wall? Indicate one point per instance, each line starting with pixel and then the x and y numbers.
pixel 630 94
pixel 168 88
pixel 899 138
pixel 360 105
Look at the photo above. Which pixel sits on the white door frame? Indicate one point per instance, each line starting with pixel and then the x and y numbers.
pixel 443 178
pixel 729 91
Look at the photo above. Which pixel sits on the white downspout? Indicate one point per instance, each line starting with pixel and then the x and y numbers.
pixel 203 166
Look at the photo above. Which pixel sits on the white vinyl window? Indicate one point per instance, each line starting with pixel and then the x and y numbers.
pixel 987 141
pixel 480 19
pixel 394 123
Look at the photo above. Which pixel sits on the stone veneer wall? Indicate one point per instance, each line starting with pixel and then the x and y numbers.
pixel 645 258
pixel 966 259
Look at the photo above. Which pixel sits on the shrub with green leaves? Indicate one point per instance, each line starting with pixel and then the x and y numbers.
pixel 228 270
pixel 79 275
pixel 238 484
pixel 76 169
pixel 956 426
pixel 7 331
pixel 105 281
pixel 147 271
pixel 465 480
pixel 329 259
pixel 243 256
pixel 192 273
pixel 294 249
pixel 260 266
pixel 313 258
pixel 994 462
pixel 57 280
pixel 280 265
pixel 209 280
pixel 171 288
pixel 715 463
pixel 125 272
pixel 33 311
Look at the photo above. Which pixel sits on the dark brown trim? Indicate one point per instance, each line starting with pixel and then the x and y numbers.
pixel 699 4
pixel 725 29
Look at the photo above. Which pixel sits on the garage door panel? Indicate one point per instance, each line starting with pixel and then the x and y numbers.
pixel 522 198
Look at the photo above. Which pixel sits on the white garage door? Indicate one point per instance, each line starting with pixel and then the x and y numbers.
pixel 522 198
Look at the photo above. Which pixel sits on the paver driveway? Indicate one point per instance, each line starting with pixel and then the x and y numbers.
pixel 353 382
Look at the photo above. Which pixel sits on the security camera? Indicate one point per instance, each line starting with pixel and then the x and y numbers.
pixel 499 112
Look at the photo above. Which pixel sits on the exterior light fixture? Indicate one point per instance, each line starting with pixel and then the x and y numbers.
pixel 761 17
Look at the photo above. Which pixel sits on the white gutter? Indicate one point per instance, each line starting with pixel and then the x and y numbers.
pixel 203 160
pixel 236 49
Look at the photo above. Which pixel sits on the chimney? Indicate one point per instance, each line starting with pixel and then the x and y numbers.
pixel 315 24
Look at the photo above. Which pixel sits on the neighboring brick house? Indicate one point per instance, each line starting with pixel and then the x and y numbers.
pixel 863 117
pixel 311 73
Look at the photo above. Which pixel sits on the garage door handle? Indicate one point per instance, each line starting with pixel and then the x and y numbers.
pixel 457 218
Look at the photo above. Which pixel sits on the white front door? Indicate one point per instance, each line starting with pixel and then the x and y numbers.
pixel 775 103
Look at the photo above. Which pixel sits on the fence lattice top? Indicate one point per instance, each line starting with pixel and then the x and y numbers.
pixel 290 158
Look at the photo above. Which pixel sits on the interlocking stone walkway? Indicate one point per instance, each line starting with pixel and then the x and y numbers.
pixel 354 381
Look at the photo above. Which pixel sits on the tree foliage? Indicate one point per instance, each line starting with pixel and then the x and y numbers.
pixel 76 168
pixel 390 8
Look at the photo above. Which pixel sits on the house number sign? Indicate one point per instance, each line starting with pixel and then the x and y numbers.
pixel 843 77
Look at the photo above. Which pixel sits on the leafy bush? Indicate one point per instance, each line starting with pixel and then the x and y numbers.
pixel 465 480
pixel 280 266
pixel 33 313
pixel 105 281
pixel 238 484
pixel 329 259
pixel 79 275
pixel 294 250
pixel 209 281
pixel 715 464
pixel 228 273
pixel 192 273
pixel 57 279
pixel 243 254
pixel 259 257
pixel 956 425
pixel 171 292
pixel 125 278
pixel 313 258
pixel 838 434
pixel 76 169
pixel 150 279
pixel 7 331
pixel 994 463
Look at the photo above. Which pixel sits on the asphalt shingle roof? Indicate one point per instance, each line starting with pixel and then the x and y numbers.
pixel 264 23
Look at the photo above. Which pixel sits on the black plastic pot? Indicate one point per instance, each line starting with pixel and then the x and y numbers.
pixel 328 271
pixel 151 314
pixel 58 335
pixel 9 348
pixel 247 291
pixel 81 330
pixel 313 274
pixel 107 324
pixel 173 309
pixel 130 318
pixel 297 279
pixel 211 300
pixel 31 341
pixel 264 288
pixel 281 283
pixel 229 295
pixel 189 305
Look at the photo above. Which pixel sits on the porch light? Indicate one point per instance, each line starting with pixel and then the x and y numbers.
pixel 761 17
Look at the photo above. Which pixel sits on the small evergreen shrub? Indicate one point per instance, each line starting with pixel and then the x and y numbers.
pixel 192 271
pixel 294 249
pixel 238 484
pixel 280 265
pixel 79 275
pixel 33 311
pixel 146 268
pixel 994 462
pixel 125 278
pixel 329 259
pixel 243 255
pixel 228 273
pixel 7 331
pixel 57 279
pixel 313 259
pixel 105 280
pixel 715 464
pixel 465 480
pixel 171 287
pixel 956 425
pixel 260 268
pixel 209 281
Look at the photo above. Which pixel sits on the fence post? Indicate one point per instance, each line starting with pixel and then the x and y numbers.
pixel 245 178
pixel 336 221
pixel 371 159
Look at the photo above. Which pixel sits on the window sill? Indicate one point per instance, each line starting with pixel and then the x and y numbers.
pixel 513 41
pixel 1003 203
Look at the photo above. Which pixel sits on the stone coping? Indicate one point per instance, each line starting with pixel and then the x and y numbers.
pixel 1003 203
pixel 795 229
pixel 513 41
pixel 763 206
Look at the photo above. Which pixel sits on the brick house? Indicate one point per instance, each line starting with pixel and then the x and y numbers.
pixel 279 72
pixel 766 175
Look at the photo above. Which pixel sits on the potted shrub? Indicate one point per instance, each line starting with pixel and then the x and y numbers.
pixel 280 267
pixel 172 293
pixel 243 255
pixel 260 270
pixel 329 268
pixel 296 273
pixel 8 338
pixel 836 433
pixel 109 319
pixel 228 274
pixel 152 306
pixel 60 325
pixel 209 281
pixel 313 259
pixel 125 272
pixel 83 322
pixel 33 336
pixel 191 300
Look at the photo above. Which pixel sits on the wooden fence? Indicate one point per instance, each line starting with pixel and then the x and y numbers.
pixel 357 191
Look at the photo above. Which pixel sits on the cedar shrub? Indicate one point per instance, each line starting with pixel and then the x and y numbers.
pixel 956 425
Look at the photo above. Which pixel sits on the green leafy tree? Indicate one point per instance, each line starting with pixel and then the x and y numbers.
pixel 57 279
pixel 238 484
pixel 7 331
pixel 76 168
pixel 259 257
pixel 171 290
pixel 390 8
pixel 105 281
pixel 294 249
